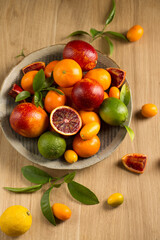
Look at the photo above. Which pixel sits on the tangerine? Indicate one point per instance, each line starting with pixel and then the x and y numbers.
pixel 67 72
pixel 114 92
pixel 86 148
pixel 88 117
pixel 50 68
pixel 27 81
pixel 53 99
pixel 135 33
pixel 101 76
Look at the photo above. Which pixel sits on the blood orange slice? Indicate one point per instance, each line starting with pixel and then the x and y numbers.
pixel 33 66
pixel 117 76
pixel 135 162
pixel 65 120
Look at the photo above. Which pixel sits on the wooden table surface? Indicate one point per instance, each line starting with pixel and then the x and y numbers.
pixel 34 24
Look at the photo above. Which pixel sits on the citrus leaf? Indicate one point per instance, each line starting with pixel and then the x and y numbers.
pixel 35 175
pixel 110 44
pixel 24 190
pixel 112 13
pixel 125 94
pixel 22 95
pixel 48 82
pixel 57 185
pixel 82 194
pixel 116 34
pixel 54 89
pixel 95 32
pixel 46 207
pixel 38 81
pixel 69 177
pixel 130 132
pixel 79 32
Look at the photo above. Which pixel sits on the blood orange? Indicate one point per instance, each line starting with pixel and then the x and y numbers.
pixel 33 66
pixel 135 162
pixel 65 120
pixel 117 76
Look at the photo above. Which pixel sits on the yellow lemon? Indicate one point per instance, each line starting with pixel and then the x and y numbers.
pixel 15 220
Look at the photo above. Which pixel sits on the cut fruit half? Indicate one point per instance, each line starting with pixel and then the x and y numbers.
pixel 65 120
pixel 33 66
pixel 117 76
pixel 135 162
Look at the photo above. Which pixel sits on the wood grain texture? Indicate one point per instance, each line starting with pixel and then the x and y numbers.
pixel 33 24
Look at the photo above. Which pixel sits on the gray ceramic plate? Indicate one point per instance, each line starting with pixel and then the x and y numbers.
pixel 110 136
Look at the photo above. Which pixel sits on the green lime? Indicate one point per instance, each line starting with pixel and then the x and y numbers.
pixel 113 111
pixel 51 145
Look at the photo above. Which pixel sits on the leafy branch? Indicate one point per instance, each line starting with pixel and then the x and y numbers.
pixel 106 35
pixel 21 54
pixel 39 177
pixel 41 86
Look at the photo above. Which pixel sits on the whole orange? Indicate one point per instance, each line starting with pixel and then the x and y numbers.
pixel 114 92
pixel 135 33
pixel 88 117
pixel 27 81
pixel 86 148
pixel 67 72
pixel 101 76
pixel 50 68
pixel 53 99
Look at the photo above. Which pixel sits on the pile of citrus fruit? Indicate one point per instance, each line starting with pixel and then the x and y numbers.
pixel 66 98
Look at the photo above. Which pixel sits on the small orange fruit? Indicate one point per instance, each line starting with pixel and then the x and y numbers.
pixel 106 95
pixel 50 68
pixel 88 117
pixel 27 81
pixel 101 76
pixel 67 72
pixel 61 211
pixel 135 33
pixel 70 156
pixel 89 130
pixel 86 148
pixel 53 99
pixel 114 92
pixel 149 110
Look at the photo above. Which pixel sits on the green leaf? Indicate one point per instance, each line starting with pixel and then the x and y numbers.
pixel 24 190
pixel 69 177
pixel 125 94
pixel 21 54
pixel 130 132
pixel 22 95
pixel 110 44
pixel 82 194
pixel 38 81
pixel 54 89
pixel 48 81
pixel 95 32
pixel 112 13
pixel 38 99
pixel 35 175
pixel 46 207
pixel 57 185
pixel 116 34
pixel 79 32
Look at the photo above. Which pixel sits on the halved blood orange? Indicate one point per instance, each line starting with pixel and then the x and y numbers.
pixel 65 120
pixel 135 162
pixel 34 66
pixel 117 76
